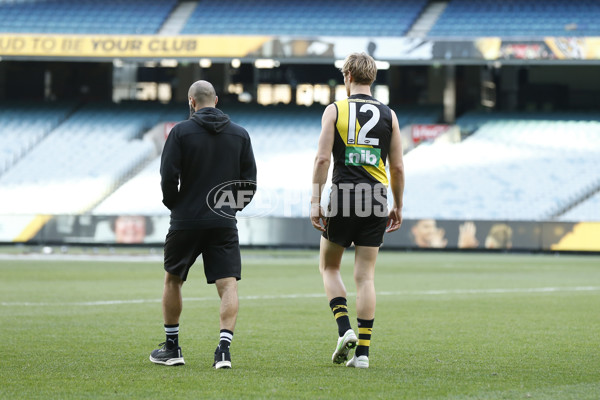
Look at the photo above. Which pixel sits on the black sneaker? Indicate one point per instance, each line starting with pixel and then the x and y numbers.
pixel 222 358
pixel 166 356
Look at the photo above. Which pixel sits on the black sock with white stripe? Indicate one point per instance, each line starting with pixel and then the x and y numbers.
pixel 172 332
pixel 226 336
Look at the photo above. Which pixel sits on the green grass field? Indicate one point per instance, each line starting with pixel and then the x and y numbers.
pixel 448 326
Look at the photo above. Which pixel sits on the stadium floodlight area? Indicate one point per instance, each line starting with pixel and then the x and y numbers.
pixel 510 169
pixel 84 16
pixel 517 18
pixel 314 17
pixel 81 161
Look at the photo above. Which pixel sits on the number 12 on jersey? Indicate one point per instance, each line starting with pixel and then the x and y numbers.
pixel 364 130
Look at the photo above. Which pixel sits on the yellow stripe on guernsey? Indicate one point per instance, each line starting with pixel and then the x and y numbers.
pixel 343 125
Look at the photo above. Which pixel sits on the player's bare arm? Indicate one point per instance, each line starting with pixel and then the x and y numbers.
pixel 321 166
pixel 396 164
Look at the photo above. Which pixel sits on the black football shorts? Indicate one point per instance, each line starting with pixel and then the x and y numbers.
pixel 219 247
pixel 362 231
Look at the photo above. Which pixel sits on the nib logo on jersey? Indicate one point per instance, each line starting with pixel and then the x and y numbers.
pixel 362 156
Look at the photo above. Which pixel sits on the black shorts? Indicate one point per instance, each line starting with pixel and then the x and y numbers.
pixel 220 249
pixel 362 231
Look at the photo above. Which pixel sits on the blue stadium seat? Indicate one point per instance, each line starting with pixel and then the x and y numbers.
pixel 99 145
pixel 84 16
pixel 527 18
pixel 309 17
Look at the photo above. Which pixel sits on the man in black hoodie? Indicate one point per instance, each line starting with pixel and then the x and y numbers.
pixel 208 174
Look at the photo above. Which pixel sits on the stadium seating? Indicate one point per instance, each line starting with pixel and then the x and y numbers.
pixel 473 120
pixel 140 195
pixel 515 169
pixel 81 161
pixel 461 18
pixel 23 126
pixel 84 16
pixel 307 17
pixel 284 139
pixel 518 18
pixel 587 210
pixel 514 166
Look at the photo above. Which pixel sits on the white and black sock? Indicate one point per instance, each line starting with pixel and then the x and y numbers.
pixel 172 332
pixel 226 336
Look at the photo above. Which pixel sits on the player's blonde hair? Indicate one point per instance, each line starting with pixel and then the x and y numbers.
pixel 362 67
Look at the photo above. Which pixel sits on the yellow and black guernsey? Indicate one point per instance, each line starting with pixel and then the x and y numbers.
pixel 362 142
pixel 363 131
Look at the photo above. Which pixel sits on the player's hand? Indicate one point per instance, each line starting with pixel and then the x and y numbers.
pixel 394 220
pixel 316 217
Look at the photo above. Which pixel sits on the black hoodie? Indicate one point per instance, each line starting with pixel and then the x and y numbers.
pixel 205 162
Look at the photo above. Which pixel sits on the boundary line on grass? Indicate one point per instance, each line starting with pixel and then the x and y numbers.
pixel 315 295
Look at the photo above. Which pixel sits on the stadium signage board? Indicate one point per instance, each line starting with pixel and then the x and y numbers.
pixel 133 46
pixel 277 231
pixel 293 49
pixel 421 132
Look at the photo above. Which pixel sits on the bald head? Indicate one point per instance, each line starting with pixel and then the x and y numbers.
pixel 202 94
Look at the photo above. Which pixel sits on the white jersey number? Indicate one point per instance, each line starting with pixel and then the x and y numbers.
pixel 364 130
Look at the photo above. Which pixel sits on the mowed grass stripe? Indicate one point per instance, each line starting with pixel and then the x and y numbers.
pixel 318 295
